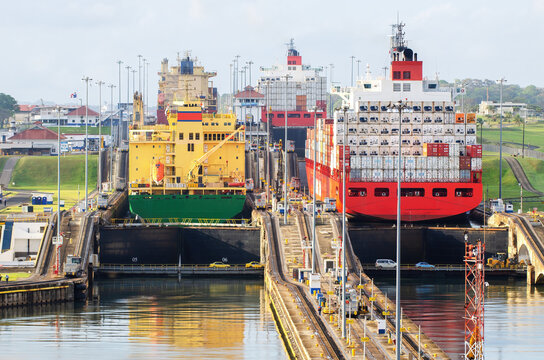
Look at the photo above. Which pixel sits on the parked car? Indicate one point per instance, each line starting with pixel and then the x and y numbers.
pixel 254 265
pixel 424 265
pixel 385 263
pixel 219 264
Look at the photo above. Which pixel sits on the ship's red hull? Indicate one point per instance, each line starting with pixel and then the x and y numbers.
pixel 380 200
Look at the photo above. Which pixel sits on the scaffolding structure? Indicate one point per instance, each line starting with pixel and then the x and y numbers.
pixel 474 300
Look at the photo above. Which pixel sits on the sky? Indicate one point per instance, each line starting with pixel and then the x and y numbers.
pixel 48 46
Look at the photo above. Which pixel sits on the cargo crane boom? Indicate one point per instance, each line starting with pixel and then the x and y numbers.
pixel 196 163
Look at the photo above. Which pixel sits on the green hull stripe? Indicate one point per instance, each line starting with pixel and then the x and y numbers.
pixel 186 206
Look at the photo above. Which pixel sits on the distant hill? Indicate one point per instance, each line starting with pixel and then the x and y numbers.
pixel 480 90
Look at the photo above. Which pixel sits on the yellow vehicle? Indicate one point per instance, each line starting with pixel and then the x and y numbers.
pixel 255 265
pixel 219 264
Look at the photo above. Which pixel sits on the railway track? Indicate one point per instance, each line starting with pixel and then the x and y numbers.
pixel 326 341
pixel 354 266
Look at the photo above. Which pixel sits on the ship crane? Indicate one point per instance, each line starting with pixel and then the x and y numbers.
pixel 196 163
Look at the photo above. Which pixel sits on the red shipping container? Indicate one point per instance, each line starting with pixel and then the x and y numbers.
pixel 464 162
pixel 474 151
pixel 443 149
pixel 476 176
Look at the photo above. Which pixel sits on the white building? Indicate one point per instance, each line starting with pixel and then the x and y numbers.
pixel 491 108
pixel 247 106
pixel 21 240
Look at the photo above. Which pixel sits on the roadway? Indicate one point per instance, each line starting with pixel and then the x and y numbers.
pixel 520 175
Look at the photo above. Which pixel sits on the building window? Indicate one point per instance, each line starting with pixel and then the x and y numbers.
pixel 406 75
pixel 396 75
pixel 367 86
pixel 181 136
pixel 396 86
pixel 214 137
pixel 432 86
pixel 205 137
pixel 188 147
pixel 440 192
pixel 381 192
pixel 197 136
pixel 281 116
pixel 405 87
pixel 222 136
pixel 190 136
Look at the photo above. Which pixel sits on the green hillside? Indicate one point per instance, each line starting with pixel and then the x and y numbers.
pixel 40 172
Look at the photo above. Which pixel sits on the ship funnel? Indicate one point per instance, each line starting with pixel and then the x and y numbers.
pixel 415 56
pixel 408 54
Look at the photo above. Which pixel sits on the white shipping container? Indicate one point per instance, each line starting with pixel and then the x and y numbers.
pixel 377 162
pixel 427 139
pixel 454 175
pixel 471 140
pixel 389 175
pixel 459 129
pixel 454 149
pixel 421 162
pixel 476 164
pixel 409 162
pixel 449 140
pixel 420 175
pixel 377 175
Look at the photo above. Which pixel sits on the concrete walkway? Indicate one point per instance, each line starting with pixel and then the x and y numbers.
pixel 5 177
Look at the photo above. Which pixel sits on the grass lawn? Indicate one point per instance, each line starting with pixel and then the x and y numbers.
pixel 510 187
pixel 534 169
pixel 40 172
pixel 3 160
pixel 534 135
pixel 81 130
pixel 14 276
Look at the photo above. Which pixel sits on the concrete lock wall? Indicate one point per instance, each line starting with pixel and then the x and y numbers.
pixel 435 245
pixel 165 245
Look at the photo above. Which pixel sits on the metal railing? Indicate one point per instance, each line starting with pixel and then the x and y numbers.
pixel 185 221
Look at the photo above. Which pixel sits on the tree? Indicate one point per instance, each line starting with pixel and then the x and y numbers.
pixel 8 105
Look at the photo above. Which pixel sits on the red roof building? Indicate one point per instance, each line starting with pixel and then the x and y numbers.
pixel 37 132
pixel 81 112
pixel 249 93
pixel 26 108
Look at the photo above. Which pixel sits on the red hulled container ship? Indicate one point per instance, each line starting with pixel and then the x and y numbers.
pixel 441 162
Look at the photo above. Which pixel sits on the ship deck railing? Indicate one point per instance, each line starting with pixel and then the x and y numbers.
pixel 185 222
pixel 184 269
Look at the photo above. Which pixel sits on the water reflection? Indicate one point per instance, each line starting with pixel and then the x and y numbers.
pixel 149 318
pixel 514 314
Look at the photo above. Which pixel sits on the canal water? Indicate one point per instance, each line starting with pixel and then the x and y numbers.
pixel 148 318
pixel 514 314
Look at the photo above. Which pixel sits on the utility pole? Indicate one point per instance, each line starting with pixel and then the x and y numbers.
pixel 111 86
pixel 133 85
pixel 128 83
pixel 500 81
pixel 99 183
pixel 87 79
pixel 523 141
pixel 331 67
pixel 267 144
pixel 143 91
pixel 237 57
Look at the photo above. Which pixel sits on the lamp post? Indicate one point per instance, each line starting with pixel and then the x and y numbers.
pixel 287 76
pixel 128 83
pixel 399 106
pixel 267 147
pixel 140 73
pixel 523 134
pixel 352 58
pixel 521 196
pixel 58 188
pixel 500 81
pixel 119 62
pixel 99 183
pixel 87 79
pixel 111 86
pixel 313 195
pixel 343 157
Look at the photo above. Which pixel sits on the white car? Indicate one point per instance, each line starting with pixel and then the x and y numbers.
pixel 385 263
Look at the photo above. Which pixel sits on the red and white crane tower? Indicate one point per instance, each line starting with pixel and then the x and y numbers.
pixel 474 299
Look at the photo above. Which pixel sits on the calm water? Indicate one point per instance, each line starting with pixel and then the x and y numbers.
pixel 148 319
pixel 514 314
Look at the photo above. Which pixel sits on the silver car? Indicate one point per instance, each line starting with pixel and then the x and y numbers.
pixel 385 263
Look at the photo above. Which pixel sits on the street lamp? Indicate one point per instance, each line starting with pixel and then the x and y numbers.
pixel 58 187
pixel 500 81
pixel 119 62
pixel 287 76
pixel 111 86
pixel 521 196
pixel 99 184
pixel 398 106
pixel 86 79
pixel 313 195
pixel 343 157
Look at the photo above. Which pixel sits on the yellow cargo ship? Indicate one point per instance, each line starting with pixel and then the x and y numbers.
pixel 192 168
